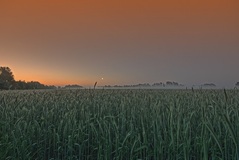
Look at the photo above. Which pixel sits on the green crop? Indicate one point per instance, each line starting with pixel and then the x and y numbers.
pixel 119 124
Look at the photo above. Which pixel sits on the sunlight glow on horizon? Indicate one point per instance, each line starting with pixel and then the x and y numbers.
pixel 120 42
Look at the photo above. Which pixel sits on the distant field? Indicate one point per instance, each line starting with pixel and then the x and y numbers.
pixel 119 124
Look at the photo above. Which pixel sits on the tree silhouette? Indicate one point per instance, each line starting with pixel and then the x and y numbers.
pixel 6 78
pixel 7 81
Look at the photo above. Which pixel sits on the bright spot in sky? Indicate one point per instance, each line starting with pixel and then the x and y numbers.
pixel 102 78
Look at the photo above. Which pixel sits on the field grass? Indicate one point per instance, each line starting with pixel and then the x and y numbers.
pixel 119 124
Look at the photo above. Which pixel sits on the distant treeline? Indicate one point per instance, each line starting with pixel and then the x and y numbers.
pixel 72 86
pixel 30 85
pixel 161 84
pixel 8 82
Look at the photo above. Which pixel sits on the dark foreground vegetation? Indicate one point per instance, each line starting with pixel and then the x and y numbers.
pixel 119 124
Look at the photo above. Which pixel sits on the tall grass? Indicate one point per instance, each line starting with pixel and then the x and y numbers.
pixel 119 124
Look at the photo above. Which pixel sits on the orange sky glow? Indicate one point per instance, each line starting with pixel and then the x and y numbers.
pixel 59 42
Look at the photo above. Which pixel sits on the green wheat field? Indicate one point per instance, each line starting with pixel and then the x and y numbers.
pixel 88 124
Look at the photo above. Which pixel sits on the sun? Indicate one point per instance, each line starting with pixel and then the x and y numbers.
pixel 102 78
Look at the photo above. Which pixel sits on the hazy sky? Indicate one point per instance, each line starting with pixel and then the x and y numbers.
pixel 124 41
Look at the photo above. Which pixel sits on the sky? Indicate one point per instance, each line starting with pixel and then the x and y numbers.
pixel 59 42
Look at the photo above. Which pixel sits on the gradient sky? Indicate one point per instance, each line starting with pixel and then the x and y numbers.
pixel 124 41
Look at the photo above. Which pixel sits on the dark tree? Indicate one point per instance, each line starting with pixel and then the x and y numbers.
pixel 169 83
pixel 237 84
pixel 20 85
pixel 31 85
pixel 6 78
pixel 73 86
pixel 7 81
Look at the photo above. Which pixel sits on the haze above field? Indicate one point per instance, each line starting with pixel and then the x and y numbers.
pixel 61 42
